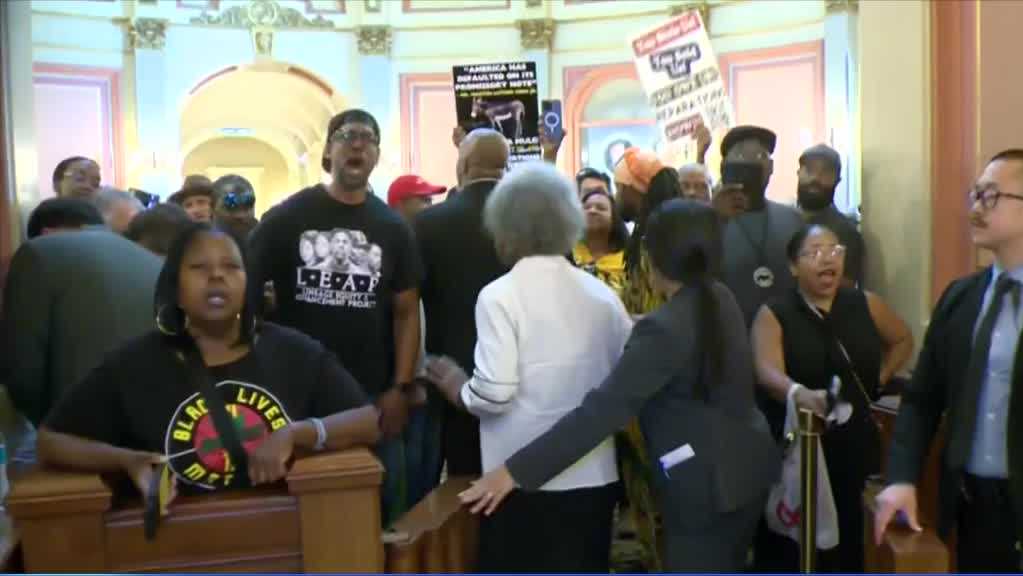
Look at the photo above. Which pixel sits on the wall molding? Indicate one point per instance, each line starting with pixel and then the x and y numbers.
pixel 410 87
pixel 108 81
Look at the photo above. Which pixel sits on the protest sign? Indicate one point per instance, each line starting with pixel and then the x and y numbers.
pixel 679 72
pixel 501 96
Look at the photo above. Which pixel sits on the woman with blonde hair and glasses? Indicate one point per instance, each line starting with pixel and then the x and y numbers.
pixel 801 342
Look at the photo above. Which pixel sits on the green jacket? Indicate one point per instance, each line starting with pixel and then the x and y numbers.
pixel 70 298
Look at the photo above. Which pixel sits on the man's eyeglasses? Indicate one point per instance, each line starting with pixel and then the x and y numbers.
pixel 987 197
pixel 816 254
pixel 238 201
pixel 748 156
pixel 353 136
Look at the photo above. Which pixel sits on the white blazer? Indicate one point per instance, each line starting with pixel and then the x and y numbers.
pixel 547 333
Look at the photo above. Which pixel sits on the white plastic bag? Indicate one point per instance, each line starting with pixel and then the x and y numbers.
pixel 784 503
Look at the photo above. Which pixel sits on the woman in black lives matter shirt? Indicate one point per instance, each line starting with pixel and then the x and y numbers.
pixel 142 406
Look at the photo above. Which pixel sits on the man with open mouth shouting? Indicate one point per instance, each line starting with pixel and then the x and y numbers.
pixel 370 319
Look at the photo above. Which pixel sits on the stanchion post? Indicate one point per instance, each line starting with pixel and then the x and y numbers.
pixel 810 428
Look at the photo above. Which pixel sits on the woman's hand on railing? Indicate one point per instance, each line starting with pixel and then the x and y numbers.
pixel 487 493
pixel 269 461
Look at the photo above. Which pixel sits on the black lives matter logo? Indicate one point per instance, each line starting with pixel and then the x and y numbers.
pixel 195 450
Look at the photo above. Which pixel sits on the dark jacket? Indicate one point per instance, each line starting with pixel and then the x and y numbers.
pixel 458 259
pixel 939 388
pixel 735 459
pixel 70 298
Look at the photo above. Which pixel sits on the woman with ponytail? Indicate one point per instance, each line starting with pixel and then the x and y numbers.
pixel 209 365
pixel 713 458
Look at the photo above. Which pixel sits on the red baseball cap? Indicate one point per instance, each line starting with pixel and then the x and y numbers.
pixel 410 186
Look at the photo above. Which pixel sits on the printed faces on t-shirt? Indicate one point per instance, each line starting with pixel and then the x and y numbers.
pixel 339 268
pixel 194 448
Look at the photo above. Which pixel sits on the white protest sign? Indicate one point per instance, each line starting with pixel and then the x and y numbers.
pixel 679 72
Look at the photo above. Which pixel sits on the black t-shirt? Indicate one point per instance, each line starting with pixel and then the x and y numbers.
pixel 141 398
pixel 336 269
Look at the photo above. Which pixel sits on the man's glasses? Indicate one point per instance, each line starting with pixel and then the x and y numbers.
pixel 816 254
pixel 748 156
pixel 987 197
pixel 238 201
pixel 354 136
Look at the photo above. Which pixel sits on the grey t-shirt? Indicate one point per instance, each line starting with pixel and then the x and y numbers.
pixel 749 250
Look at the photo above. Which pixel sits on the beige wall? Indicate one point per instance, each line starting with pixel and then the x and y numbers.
pixel 895 139
pixel 1001 80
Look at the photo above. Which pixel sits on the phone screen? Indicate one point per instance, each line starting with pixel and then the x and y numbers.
pixel 749 175
pixel 550 113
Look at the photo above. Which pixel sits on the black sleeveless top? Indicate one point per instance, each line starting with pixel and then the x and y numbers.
pixel 813 355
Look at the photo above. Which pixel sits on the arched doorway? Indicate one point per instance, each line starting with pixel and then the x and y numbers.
pixel 266 121
pixel 606 110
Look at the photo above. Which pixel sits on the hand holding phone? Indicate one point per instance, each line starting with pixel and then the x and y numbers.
pixel 550 117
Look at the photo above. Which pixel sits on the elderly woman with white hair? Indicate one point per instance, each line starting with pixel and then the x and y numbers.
pixel 548 333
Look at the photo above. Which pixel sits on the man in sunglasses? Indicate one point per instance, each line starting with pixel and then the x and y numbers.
pixel 236 205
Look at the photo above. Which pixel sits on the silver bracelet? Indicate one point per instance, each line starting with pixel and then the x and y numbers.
pixel 321 434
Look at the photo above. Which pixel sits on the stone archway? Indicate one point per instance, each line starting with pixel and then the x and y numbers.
pixel 267 112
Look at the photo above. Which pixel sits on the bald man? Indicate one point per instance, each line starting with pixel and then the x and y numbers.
pixel 459 259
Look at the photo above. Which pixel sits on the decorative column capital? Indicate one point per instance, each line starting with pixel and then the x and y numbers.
pixel 701 6
pixel 536 34
pixel 263 41
pixel 147 34
pixel 374 40
pixel 842 5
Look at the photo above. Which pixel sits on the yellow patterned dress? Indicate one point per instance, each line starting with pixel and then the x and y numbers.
pixel 609 268
pixel 640 298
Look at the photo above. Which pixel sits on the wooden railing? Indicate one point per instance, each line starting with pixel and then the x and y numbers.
pixel 437 535
pixel 324 518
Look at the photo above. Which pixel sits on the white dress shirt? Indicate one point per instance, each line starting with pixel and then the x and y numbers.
pixel 547 333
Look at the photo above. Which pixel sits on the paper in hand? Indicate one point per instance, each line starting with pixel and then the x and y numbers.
pixel 676 457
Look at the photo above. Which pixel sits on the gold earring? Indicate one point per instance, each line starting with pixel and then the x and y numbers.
pixel 160 325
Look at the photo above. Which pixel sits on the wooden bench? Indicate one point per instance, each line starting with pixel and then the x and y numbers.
pixel 438 535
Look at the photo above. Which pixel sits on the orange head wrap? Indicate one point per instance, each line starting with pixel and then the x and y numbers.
pixel 637 168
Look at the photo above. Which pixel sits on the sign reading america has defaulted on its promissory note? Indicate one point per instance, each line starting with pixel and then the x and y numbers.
pixel 502 96
pixel 679 72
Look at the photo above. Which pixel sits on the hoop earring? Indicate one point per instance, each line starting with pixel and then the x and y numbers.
pixel 160 325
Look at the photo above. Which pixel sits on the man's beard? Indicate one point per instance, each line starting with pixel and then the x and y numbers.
pixel 814 198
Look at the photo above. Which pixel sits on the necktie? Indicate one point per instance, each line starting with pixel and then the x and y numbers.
pixel 962 439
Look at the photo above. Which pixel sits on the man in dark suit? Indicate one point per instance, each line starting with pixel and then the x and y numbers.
pixel 966 372
pixel 459 259
pixel 71 296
